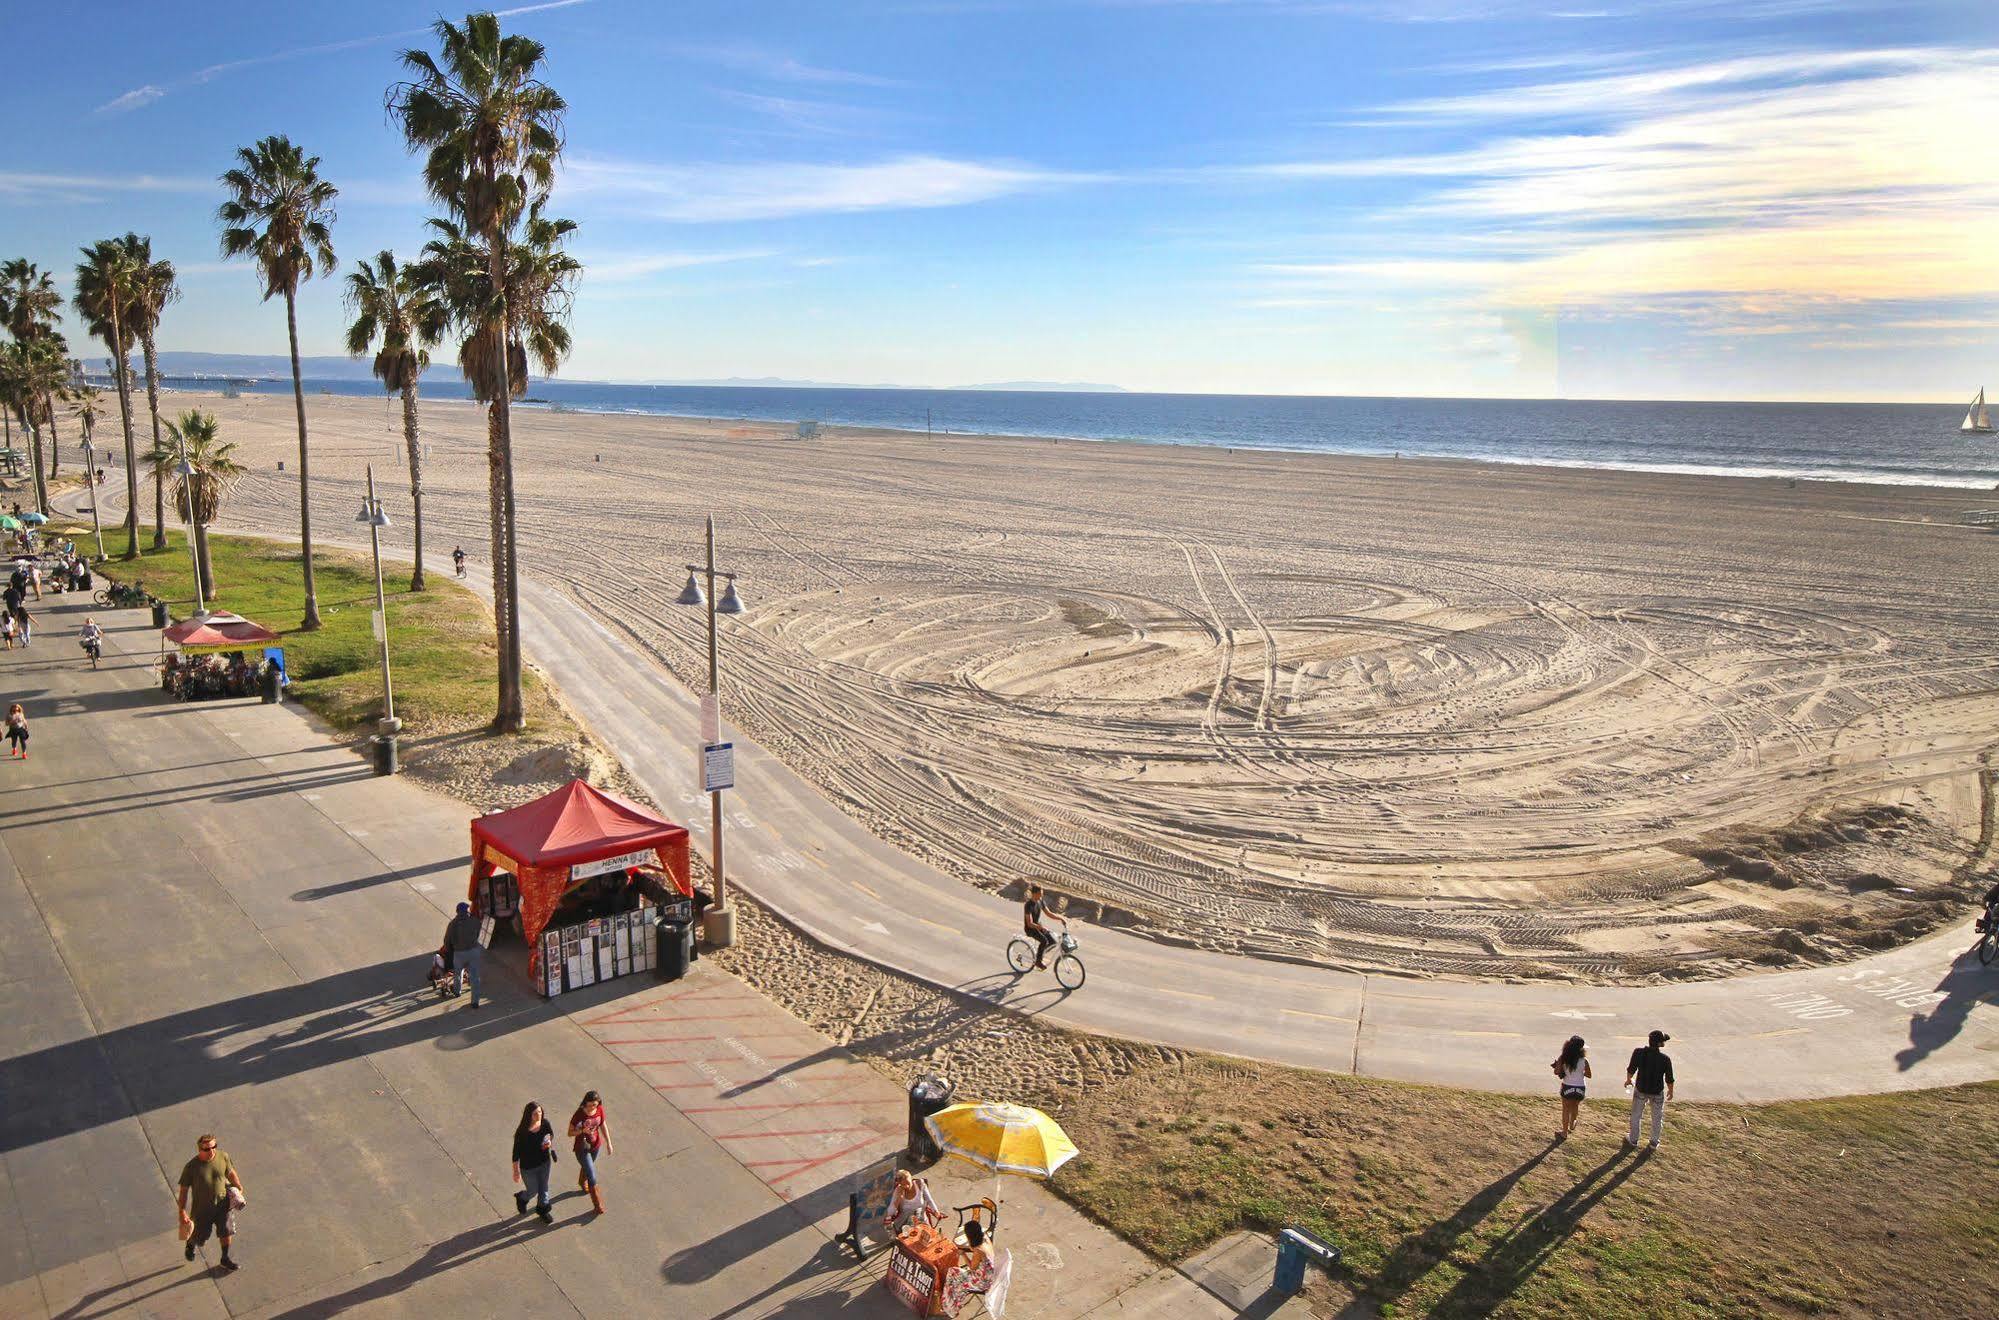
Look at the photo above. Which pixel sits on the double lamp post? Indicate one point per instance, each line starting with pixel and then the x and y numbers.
pixel 376 518
pixel 718 764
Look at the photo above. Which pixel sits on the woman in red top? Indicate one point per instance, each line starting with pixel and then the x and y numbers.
pixel 590 1130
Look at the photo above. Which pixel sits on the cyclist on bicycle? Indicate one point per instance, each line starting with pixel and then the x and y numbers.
pixel 1990 921
pixel 458 560
pixel 93 641
pixel 1034 912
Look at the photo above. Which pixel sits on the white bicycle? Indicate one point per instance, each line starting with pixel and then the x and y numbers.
pixel 1069 971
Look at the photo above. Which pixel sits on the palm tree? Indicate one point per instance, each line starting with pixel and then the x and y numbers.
pixel 198 493
pixel 151 292
pixel 539 278
pixel 29 302
pixel 278 214
pixel 105 279
pixel 493 131
pixel 400 307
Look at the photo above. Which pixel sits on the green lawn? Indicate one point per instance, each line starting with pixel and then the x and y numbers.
pixel 440 639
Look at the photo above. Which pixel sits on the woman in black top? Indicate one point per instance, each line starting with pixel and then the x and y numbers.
pixel 534 1155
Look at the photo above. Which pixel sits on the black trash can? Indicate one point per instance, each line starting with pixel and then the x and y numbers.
pixel 676 948
pixel 272 685
pixel 383 752
pixel 927 1094
pixel 159 613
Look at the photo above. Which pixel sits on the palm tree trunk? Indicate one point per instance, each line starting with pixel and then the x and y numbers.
pixel 35 463
pixel 201 558
pixel 55 458
pixel 416 477
pixel 118 351
pixel 304 470
pixel 512 713
pixel 153 406
pixel 496 511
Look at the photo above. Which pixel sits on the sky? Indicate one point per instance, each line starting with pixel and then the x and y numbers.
pixel 1736 199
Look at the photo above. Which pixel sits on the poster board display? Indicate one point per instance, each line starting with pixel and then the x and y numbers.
pixel 601 949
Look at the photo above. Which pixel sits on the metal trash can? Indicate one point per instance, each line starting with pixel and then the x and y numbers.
pixel 1295 1250
pixel 927 1094
pixel 676 948
pixel 382 751
pixel 159 613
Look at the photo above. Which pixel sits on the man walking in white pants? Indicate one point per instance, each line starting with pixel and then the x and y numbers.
pixel 1650 1077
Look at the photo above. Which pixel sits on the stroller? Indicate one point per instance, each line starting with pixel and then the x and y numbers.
pixel 441 978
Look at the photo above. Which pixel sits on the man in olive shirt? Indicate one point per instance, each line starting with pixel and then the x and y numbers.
pixel 206 1181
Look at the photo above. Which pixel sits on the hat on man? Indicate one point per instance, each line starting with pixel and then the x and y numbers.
pixel 463 908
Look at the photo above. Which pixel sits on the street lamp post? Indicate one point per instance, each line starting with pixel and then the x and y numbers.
pixel 385 741
pixel 720 923
pixel 90 483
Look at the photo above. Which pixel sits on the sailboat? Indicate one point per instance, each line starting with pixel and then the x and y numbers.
pixel 1976 420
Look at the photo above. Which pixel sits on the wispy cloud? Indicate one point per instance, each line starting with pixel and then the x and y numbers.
pixel 774 66
pixel 616 268
pixel 702 193
pixel 92 187
pixel 1848 175
pixel 151 92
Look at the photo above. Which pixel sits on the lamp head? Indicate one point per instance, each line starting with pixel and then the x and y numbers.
pixel 731 602
pixel 691 593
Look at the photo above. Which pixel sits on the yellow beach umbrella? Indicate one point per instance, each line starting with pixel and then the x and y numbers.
pixel 1004 1138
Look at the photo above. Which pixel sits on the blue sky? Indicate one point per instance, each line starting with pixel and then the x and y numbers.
pixel 1664 199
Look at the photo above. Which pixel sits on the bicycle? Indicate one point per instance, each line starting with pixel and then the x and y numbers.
pixel 120 595
pixel 1988 936
pixel 1068 968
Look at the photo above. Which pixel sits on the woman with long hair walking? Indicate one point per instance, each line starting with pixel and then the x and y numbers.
pixel 17 732
pixel 1573 1073
pixel 534 1157
pixel 590 1130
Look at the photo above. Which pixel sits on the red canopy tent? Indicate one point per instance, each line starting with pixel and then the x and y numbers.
pixel 567 836
pixel 219 630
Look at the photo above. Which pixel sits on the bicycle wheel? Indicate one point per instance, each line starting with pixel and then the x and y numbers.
pixel 1988 948
pixel 1020 956
pixel 1069 972
pixel 103 597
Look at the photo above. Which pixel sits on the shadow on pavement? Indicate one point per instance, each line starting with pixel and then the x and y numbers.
pixel 243 789
pixel 318 892
pixel 80 1309
pixel 705 1260
pixel 1965 986
pixel 64 1089
pixel 466 1248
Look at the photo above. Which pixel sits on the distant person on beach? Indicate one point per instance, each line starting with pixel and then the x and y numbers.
pixel 461 936
pixel 25 623
pixel 1572 1073
pixel 534 1157
pixel 590 1133
pixel 1650 1077
pixel 210 1193
pixel 17 733
pixel 458 560
pixel 35 578
pixel 1034 915
pixel 7 628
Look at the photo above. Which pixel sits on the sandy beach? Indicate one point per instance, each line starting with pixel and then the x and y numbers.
pixel 1429 717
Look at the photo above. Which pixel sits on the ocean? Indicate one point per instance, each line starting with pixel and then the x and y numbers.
pixel 1888 444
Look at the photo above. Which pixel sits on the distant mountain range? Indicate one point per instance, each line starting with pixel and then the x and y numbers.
pixel 271 366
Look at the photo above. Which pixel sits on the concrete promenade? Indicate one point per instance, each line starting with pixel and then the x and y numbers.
pixel 214 919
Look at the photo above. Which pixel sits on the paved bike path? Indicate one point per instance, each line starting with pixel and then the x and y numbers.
pixel 1923 1015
